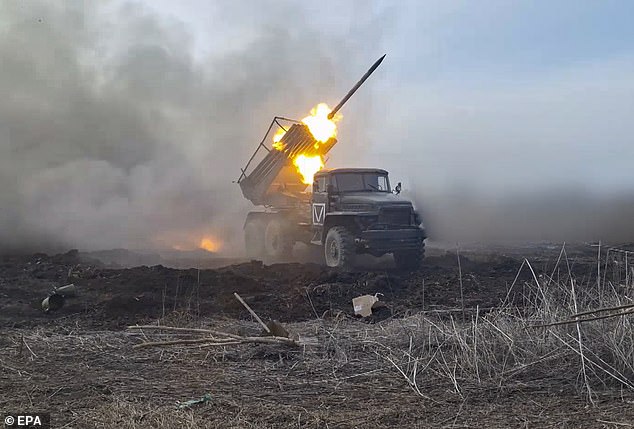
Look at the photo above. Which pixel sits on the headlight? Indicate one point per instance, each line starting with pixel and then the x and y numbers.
pixel 417 219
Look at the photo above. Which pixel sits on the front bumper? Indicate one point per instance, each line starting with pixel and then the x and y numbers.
pixel 389 240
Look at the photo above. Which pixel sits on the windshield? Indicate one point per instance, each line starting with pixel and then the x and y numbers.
pixel 359 182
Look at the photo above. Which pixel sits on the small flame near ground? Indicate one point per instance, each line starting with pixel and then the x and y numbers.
pixel 189 241
pixel 210 244
pixel 322 129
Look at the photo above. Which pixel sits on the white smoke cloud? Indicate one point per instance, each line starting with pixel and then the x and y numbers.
pixel 115 131
pixel 122 126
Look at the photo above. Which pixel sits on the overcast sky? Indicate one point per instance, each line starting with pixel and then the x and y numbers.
pixel 489 93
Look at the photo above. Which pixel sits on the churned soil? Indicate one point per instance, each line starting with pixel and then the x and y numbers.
pixel 111 298
pixel 79 364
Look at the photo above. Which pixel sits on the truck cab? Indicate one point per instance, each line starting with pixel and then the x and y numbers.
pixel 355 211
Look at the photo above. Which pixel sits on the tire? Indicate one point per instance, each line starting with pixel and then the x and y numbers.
pixel 278 242
pixel 410 260
pixel 339 251
pixel 254 239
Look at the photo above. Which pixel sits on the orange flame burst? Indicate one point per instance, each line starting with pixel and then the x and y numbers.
pixel 320 126
pixel 210 244
pixel 277 144
pixel 322 129
pixel 308 166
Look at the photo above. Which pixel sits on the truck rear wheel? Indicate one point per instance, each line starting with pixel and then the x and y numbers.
pixel 254 239
pixel 278 242
pixel 339 248
pixel 410 260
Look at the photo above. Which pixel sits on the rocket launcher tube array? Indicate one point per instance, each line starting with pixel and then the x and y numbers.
pixel 259 185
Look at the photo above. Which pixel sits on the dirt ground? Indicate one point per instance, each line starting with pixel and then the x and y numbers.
pixel 79 362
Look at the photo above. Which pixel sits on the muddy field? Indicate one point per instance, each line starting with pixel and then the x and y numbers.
pixel 79 362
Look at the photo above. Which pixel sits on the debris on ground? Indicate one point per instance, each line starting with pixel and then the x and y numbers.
pixel 187 404
pixel 67 291
pixel 253 313
pixel 364 304
pixel 276 329
pixel 57 298
pixel 53 302
pixel 212 338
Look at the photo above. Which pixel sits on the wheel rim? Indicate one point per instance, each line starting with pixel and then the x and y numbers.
pixel 332 253
pixel 334 250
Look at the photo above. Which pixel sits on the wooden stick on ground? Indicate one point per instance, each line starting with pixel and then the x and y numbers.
pixel 206 342
pixel 227 336
pixel 567 322
pixel 189 341
pixel 239 298
pixel 178 329
pixel 601 310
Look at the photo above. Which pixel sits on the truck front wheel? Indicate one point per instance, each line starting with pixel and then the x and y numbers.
pixel 410 260
pixel 339 248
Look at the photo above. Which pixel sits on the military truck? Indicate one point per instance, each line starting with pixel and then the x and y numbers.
pixel 346 211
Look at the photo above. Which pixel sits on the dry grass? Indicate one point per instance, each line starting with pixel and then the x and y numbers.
pixel 503 348
pixel 496 369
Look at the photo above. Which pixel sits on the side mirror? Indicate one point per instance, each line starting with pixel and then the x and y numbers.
pixel 397 190
pixel 315 187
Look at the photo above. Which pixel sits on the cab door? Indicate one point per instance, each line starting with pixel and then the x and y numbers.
pixel 319 205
